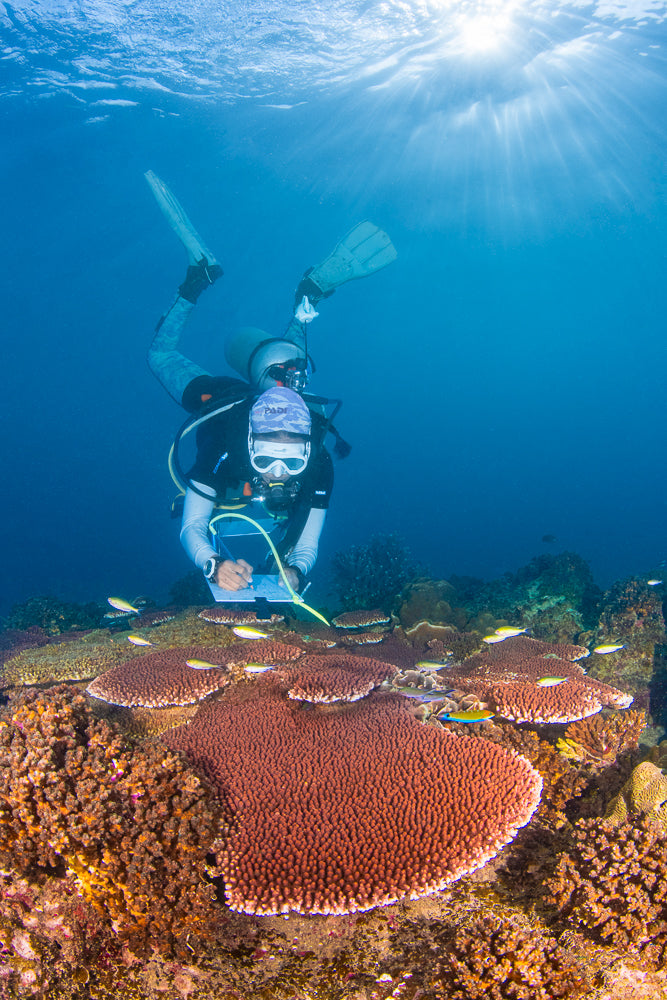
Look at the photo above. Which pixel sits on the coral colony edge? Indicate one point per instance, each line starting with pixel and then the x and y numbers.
pixel 456 790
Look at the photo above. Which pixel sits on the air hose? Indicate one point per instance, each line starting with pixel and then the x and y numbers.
pixel 296 598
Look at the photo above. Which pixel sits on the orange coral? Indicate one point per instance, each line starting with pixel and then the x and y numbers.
pixel 600 740
pixel 131 828
pixel 610 881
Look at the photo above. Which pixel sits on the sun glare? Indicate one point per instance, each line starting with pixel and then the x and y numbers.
pixel 483 32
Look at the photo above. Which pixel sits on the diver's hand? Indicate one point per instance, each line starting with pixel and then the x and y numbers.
pixel 293 577
pixel 234 575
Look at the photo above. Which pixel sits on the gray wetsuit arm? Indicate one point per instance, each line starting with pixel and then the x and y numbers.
pixel 195 537
pixel 304 553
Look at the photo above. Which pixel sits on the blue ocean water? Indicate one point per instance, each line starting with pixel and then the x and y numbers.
pixel 503 380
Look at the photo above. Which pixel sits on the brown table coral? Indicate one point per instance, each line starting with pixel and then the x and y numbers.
pixel 341 809
pixel 505 677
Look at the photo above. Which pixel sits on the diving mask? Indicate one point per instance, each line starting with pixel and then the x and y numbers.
pixel 279 458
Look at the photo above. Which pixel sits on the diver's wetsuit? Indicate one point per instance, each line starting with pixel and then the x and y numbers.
pixel 222 468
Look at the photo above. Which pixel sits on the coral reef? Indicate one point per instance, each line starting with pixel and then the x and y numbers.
pixel 631 615
pixel 554 595
pixel 431 601
pixel 371 575
pixel 163 678
pixel 508 959
pixel 610 881
pixel 65 661
pixel 601 739
pixel 221 615
pixel 644 792
pixel 53 615
pixel 507 678
pixel 127 830
pixel 361 619
pixel 349 806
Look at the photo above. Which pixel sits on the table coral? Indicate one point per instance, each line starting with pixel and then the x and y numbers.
pixel 330 677
pixel 235 616
pixel 361 619
pixel 338 809
pixel 506 677
pixel 66 661
pixel 611 881
pixel 130 828
pixel 162 677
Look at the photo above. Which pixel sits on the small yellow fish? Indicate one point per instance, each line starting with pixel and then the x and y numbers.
pixel 122 605
pixel 507 631
pixel 608 648
pixel 430 665
pixel 202 665
pixel 257 668
pixel 472 715
pixel 653 583
pixel 137 640
pixel 248 632
pixel 549 682
pixel 494 638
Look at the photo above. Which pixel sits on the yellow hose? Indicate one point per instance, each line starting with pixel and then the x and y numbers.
pixel 296 599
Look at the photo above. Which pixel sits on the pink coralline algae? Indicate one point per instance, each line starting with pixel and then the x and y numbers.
pixel 340 809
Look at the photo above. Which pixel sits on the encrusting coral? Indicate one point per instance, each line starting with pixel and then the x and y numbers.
pixel 611 881
pixel 644 792
pixel 129 829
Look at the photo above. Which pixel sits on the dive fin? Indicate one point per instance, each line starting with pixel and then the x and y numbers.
pixel 365 250
pixel 173 212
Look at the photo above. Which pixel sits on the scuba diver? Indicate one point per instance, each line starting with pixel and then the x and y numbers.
pixel 262 470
